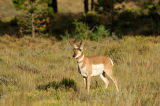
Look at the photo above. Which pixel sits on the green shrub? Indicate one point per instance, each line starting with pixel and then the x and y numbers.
pixel 52 84
pixel 81 30
pixel 66 36
pixel 100 33
pixel 64 83
pixel 68 83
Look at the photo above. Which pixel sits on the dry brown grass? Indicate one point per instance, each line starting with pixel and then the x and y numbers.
pixel 26 63
pixel 7 10
pixel 73 6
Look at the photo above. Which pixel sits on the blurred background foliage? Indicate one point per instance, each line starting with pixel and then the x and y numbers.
pixel 79 18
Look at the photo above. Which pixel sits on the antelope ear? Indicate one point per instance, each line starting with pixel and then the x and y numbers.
pixel 81 45
pixel 75 46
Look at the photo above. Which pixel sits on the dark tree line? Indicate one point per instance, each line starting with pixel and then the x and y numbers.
pixel 106 7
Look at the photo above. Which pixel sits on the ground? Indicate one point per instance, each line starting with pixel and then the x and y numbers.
pixel 41 71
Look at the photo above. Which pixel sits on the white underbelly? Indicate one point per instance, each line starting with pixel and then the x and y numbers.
pixel 97 69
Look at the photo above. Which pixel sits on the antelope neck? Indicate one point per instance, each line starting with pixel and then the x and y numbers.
pixel 80 58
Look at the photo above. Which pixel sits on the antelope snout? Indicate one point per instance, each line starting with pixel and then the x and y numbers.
pixel 74 56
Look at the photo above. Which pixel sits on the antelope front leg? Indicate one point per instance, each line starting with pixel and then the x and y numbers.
pixel 88 83
pixel 85 82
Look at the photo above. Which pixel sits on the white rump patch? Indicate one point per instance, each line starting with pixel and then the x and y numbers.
pixel 97 69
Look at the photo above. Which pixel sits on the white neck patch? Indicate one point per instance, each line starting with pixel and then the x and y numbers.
pixel 81 59
pixel 80 64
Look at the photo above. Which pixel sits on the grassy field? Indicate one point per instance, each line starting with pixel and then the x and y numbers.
pixel 42 72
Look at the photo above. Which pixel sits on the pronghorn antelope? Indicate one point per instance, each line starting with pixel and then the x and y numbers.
pixel 93 66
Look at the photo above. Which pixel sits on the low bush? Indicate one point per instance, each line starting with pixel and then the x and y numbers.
pixel 65 83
